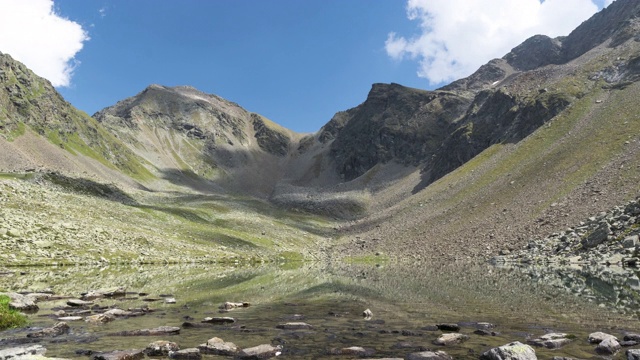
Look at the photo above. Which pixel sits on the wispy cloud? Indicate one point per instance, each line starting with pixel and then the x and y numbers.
pixel 32 32
pixel 456 37
pixel 103 11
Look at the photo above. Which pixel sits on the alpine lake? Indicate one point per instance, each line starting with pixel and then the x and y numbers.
pixel 407 301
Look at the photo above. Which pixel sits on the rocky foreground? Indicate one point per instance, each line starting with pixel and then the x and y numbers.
pixel 90 310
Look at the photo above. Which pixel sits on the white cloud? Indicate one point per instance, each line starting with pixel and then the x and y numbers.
pixel 32 33
pixel 456 37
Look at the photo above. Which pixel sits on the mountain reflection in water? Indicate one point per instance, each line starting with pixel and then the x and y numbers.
pixel 407 300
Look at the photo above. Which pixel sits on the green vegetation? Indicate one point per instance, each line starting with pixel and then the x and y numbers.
pixel 10 318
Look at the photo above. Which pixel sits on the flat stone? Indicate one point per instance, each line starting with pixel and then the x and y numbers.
pixel 429 355
pixel 78 302
pixel 22 352
pixel 170 300
pixel 70 318
pixel 264 351
pixel 551 341
pixel 233 305
pixel 186 354
pixel 512 351
pixel 161 330
pixel 120 355
pixel 450 339
pixel 219 320
pixel 632 337
pixel 354 351
pixel 294 326
pixel 100 318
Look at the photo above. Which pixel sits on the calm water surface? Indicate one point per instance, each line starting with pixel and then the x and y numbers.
pixel 404 298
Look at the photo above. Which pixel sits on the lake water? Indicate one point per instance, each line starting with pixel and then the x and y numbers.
pixel 406 300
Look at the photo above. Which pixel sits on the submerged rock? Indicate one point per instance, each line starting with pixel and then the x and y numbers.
pixel 353 351
pixel 78 302
pixel 512 351
pixel 219 320
pixel 448 327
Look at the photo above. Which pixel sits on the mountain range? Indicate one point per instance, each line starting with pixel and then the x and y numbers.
pixel 527 145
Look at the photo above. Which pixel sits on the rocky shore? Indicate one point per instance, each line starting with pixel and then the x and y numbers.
pixel 71 317
pixel 609 238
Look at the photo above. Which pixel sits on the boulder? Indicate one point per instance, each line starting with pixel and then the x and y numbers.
pixel 264 351
pixel 21 302
pixel 217 346
pixel 597 236
pixel 598 337
pixel 429 355
pixel 450 339
pixel 608 346
pixel 161 348
pixel 512 351
pixel 100 318
pixel 632 354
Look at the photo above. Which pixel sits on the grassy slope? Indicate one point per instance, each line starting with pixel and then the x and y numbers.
pixel 582 162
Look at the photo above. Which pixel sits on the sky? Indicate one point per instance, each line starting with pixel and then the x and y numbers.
pixel 294 62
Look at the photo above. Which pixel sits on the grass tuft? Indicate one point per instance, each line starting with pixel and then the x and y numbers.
pixel 10 318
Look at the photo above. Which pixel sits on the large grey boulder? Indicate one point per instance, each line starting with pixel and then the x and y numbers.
pixel 512 351
pixel 429 355
pixel 598 236
pixel 21 302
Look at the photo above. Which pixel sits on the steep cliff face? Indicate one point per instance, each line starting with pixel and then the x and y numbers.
pixel 394 123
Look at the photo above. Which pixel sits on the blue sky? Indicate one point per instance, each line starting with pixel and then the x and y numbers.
pixel 296 62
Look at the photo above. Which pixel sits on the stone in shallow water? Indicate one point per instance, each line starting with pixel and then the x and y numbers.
pixel 57 330
pixel 633 354
pixel 294 326
pixel 608 346
pixel 429 355
pixel 598 337
pixel 512 351
pixel 22 352
pixel 120 355
pixel 186 354
pixel 233 305
pixel 78 302
pixel 219 320
pixel 450 339
pixel 21 302
pixel 161 348
pixel 264 351
pixel 161 330
pixel 217 346
pixel 353 351
pixel 551 341
pixel 100 318
pixel 448 327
